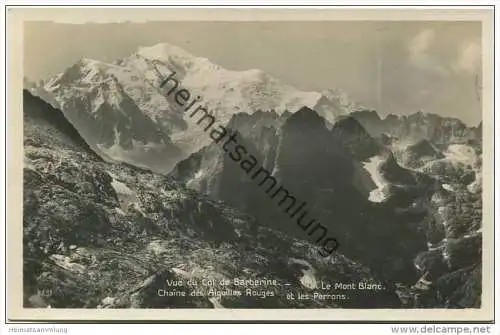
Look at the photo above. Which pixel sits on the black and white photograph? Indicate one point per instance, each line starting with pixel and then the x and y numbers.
pixel 254 165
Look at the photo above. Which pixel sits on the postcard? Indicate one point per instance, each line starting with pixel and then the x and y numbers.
pixel 170 164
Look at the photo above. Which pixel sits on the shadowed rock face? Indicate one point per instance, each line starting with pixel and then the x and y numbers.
pixel 309 156
pixel 323 165
pixel 130 111
pixel 106 235
pixel 318 165
pixel 418 154
pixel 355 138
pixel 440 131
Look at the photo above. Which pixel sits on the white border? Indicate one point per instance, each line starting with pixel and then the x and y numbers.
pixel 340 329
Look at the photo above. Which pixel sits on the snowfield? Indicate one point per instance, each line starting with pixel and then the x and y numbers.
pixel 377 194
pixel 476 185
pixel 461 153
pixel 308 279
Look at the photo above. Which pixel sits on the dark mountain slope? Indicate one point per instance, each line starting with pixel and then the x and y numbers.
pixel 418 154
pixel 355 138
pixel 39 112
pixel 321 167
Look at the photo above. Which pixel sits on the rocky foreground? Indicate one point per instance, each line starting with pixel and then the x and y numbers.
pixel 103 235
pixel 107 235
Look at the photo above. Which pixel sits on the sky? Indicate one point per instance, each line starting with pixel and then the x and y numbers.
pixel 395 67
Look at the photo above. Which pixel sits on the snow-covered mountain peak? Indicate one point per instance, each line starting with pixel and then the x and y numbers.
pixel 89 62
pixel 342 99
pixel 85 71
pixel 255 74
pixel 165 53
pixel 133 85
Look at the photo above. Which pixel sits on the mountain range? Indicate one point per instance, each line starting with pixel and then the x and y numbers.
pixel 118 180
pixel 93 95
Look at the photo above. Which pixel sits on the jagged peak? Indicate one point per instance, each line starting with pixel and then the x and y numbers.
pixel 349 131
pixel 424 148
pixel 393 117
pixel 83 69
pixel 423 115
pixel 305 113
pixel 286 114
pixel 88 62
pixel 366 113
